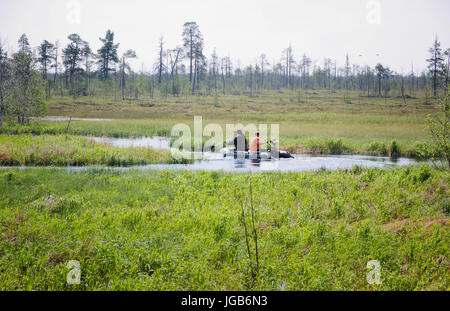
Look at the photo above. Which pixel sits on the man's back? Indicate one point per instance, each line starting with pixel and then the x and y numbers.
pixel 254 144
pixel 241 143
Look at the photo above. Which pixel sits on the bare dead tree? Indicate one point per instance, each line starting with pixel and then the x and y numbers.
pixel 160 59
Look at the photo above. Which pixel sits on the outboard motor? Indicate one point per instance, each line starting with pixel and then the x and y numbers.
pixel 285 155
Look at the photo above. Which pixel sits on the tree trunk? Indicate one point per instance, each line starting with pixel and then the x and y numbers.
pixel 56 66
pixel 435 70
pixel 153 87
pixel 106 66
pixel 190 58
pixel 123 78
pixel 195 77
pixel 379 87
pixel 160 63
pixel 223 83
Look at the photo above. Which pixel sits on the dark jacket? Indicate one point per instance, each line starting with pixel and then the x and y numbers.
pixel 241 143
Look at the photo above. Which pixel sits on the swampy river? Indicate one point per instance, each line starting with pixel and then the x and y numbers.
pixel 216 162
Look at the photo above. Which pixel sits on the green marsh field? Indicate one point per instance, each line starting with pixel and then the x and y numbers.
pixel 150 230
pixel 134 229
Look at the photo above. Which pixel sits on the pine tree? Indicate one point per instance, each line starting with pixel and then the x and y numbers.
pixel 380 71
pixel 24 45
pixel 26 88
pixel 192 39
pixel 435 64
pixel 73 54
pixel 128 54
pixel 107 54
pixel 87 56
pixel 46 55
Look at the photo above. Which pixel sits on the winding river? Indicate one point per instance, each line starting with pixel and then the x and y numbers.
pixel 216 162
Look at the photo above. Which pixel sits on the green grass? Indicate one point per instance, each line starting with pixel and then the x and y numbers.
pixel 282 105
pixel 116 128
pixel 68 150
pixel 169 230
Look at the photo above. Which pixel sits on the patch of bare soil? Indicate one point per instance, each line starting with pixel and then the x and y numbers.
pixel 399 225
pixel 56 258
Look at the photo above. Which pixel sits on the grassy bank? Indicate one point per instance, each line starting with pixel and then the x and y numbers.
pixel 181 230
pixel 68 150
pixel 115 128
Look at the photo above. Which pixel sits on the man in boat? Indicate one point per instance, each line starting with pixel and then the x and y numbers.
pixel 255 144
pixel 240 142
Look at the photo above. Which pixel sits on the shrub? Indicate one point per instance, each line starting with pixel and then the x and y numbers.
pixel 394 149
pixel 438 126
pixel 336 146
pixel 378 148
pixel 421 174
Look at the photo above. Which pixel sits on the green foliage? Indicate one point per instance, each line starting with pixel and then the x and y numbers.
pixel 67 150
pixel 77 87
pixel 335 146
pixel 116 128
pixel 26 88
pixel 107 54
pixel 436 65
pixel 46 51
pixel 421 175
pixel 73 55
pixel 439 129
pixel 170 230
pixel 394 149
pixel 327 146
pixel 378 148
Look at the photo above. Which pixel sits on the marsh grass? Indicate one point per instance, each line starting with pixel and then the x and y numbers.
pixel 173 230
pixel 68 150
pixel 115 129
pixel 266 105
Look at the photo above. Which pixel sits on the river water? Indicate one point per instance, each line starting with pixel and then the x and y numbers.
pixel 143 142
pixel 216 162
pixel 299 164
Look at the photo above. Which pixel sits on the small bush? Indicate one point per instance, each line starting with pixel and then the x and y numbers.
pixel 394 150
pixel 378 148
pixel 335 146
pixel 421 174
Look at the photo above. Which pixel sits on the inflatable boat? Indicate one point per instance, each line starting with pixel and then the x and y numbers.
pixel 262 155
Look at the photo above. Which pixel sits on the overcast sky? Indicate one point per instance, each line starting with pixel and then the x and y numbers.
pixel 400 31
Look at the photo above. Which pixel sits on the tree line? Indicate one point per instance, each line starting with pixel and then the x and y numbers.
pixel 29 76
